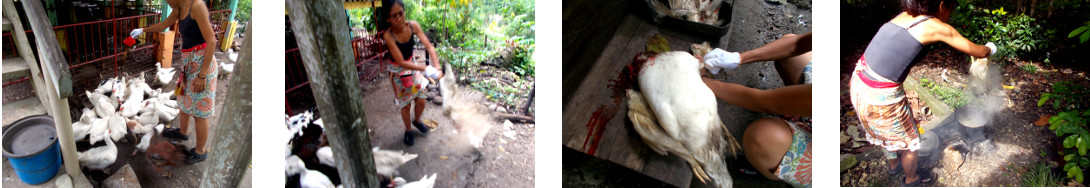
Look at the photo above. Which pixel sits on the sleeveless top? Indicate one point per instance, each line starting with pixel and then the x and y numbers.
pixel 191 33
pixel 893 51
pixel 407 47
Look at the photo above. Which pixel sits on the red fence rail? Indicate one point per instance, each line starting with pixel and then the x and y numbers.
pixel 369 51
pixel 95 52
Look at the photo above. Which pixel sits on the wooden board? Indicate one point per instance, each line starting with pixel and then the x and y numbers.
pixel 595 120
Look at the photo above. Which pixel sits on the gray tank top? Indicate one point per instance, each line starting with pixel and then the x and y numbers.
pixel 893 51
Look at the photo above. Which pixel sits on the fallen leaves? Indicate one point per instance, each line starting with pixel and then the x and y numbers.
pixel 1041 122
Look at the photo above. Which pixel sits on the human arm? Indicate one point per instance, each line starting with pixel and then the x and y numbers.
pixel 427 46
pixel 793 100
pixel 785 47
pixel 200 14
pixel 949 35
pixel 789 45
pixel 173 17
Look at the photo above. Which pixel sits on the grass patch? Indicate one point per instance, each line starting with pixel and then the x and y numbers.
pixel 1029 68
pixel 1041 175
pixel 951 96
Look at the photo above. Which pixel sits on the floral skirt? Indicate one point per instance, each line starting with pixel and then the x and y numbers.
pixel 199 104
pixel 884 113
pixel 795 166
pixel 407 87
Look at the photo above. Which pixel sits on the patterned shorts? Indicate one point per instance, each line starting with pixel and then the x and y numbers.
pixel 199 104
pixel 795 166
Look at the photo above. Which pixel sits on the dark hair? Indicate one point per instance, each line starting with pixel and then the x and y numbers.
pixel 925 7
pixel 384 13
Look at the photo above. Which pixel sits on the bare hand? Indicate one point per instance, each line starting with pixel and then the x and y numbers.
pixel 198 85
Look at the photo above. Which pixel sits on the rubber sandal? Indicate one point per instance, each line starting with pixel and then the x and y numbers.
pixel 420 126
pixel 895 171
pixel 919 181
pixel 409 138
pixel 174 133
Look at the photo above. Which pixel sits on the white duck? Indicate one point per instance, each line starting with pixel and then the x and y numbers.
pixel 118 127
pixel 307 178
pixel 325 156
pixel 104 106
pixel 82 128
pixel 166 113
pixel 163 75
pixel 106 85
pixel 226 68
pixel 99 129
pixel 119 90
pixel 387 161
pixel 99 158
pixel 463 107
pixel 677 113
pixel 145 141
pixel 425 182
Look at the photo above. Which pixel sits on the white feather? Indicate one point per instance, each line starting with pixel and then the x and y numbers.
pixel 425 182
pixel 100 157
pixel 325 156
pixel 118 127
pixel 387 161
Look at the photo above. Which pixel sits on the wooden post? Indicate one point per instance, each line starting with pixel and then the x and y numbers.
pixel 58 81
pixel 231 145
pixel 529 101
pixel 166 48
pixel 49 51
pixel 322 32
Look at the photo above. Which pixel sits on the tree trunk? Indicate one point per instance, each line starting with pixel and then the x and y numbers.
pixel 322 35
pixel 1050 3
pixel 1032 8
pixel 529 101
pixel 231 147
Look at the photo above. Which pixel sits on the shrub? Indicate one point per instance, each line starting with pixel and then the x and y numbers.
pixel 1012 33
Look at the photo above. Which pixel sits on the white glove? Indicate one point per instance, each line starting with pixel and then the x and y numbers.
pixel 992 47
pixel 720 59
pixel 136 32
pixel 423 82
pixel 431 72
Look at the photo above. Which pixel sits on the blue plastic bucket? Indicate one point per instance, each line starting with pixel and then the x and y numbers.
pixel 30 144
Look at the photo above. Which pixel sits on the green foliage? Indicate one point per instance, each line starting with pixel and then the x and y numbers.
pixel 1029 68
pixel 1084 31
pixel 1070 125
pixel 952 97
pixel 362 18
pixel 471 31
pixel 1041 175
pixel 1067 95
pixel 1014 33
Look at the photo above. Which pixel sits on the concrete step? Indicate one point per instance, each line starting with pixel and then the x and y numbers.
pixel 15 67
pixel 7 24
pixel 19 109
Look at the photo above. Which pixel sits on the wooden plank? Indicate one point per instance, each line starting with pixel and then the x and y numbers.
pixel 595 120
pixel 588 28
pixel 52 58
pixel 23 46
pixel 322 31
pixel 15 67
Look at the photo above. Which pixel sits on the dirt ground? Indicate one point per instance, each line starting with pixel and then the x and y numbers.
pixel 185 176
pixel 502 161
pixel 755 23
pixel 1013 144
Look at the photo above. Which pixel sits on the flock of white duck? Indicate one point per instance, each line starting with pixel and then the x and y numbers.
pixel 386 161
pixel 123 105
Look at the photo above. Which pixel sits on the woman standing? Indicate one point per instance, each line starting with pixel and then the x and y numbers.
pixel 199 79
pixel 400 38
pixel 876 91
